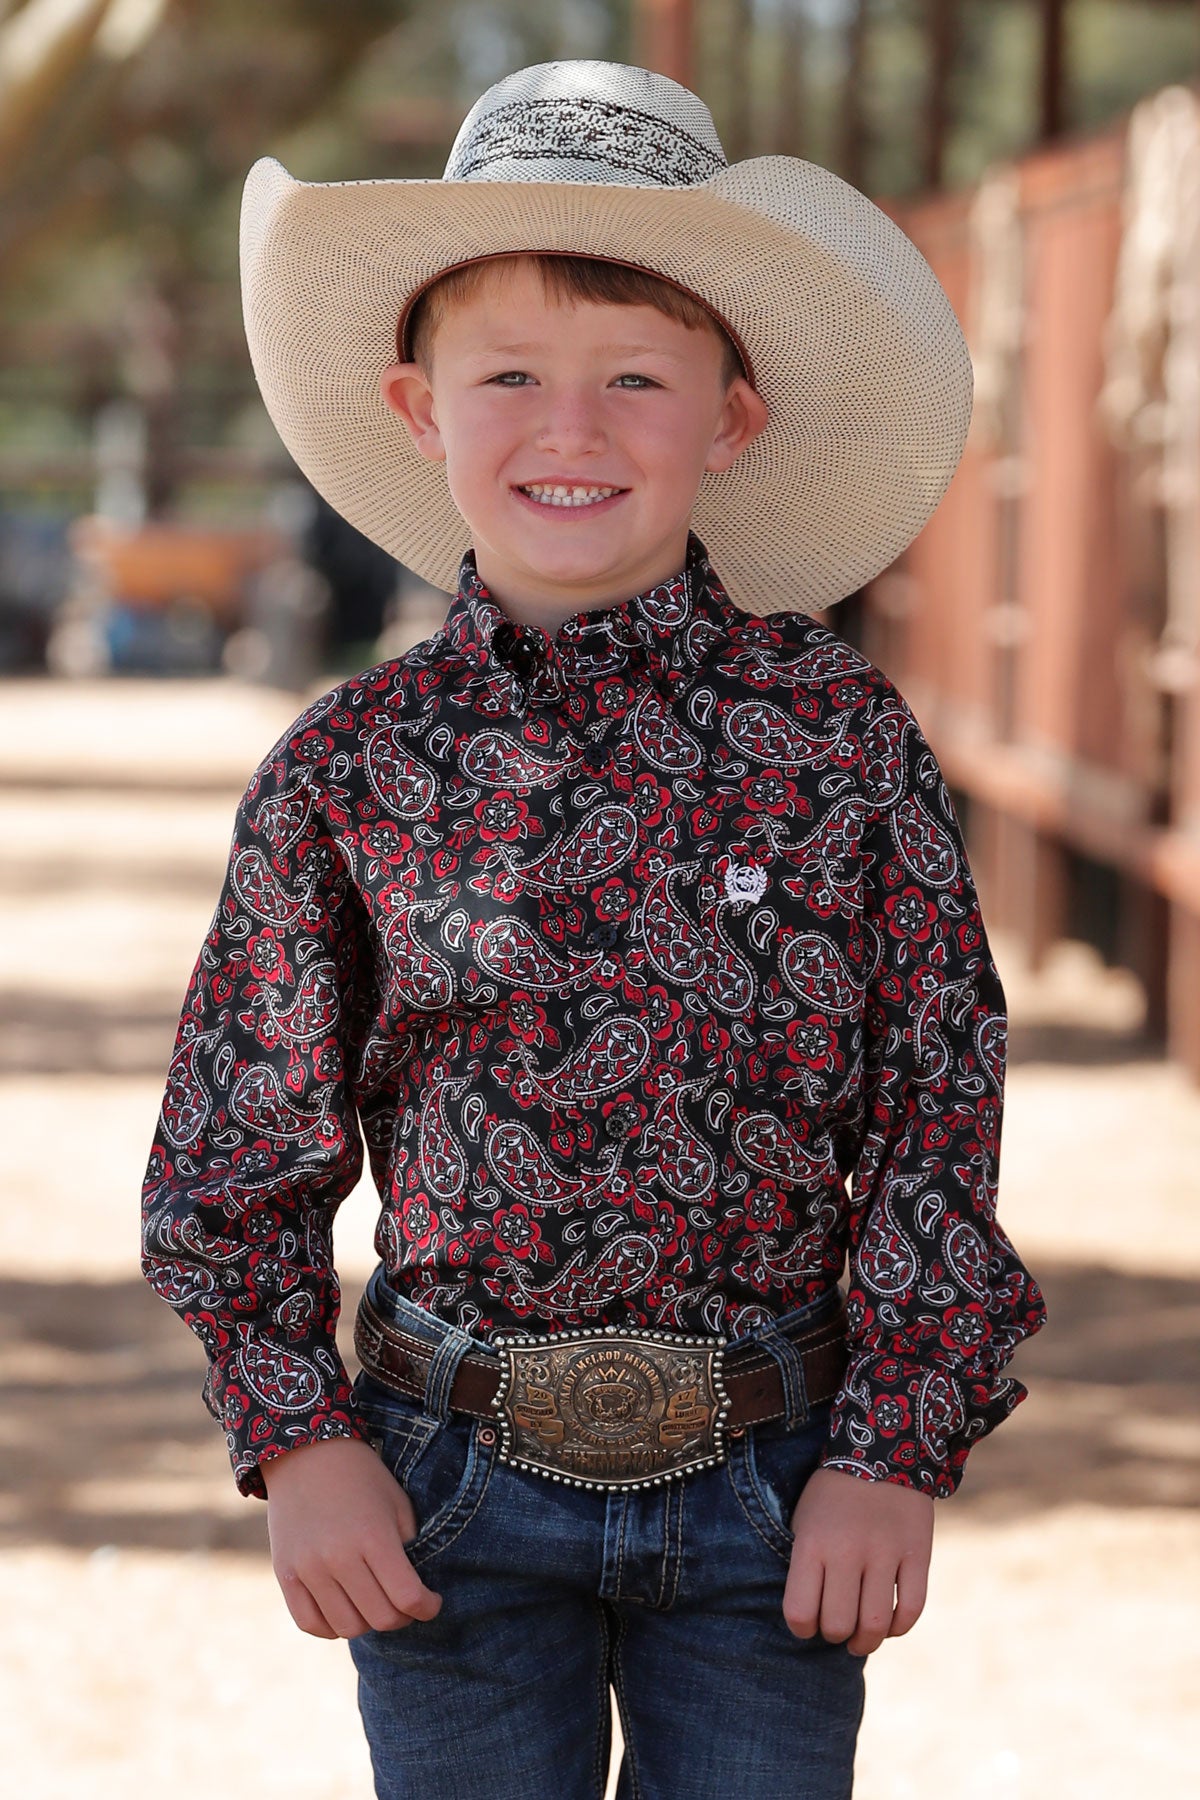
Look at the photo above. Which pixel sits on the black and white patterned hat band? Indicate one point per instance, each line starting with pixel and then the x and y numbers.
pixel 609 142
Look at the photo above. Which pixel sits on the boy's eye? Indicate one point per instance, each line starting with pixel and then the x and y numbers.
pixel 510 377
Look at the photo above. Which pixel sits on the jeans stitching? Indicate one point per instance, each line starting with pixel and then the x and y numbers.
pixel 791 1368
pixel 668 1496
pixel 452 1527
pixel 677 1560
pixel 599 1772
pixel 754 1476
pixel 413 1435
pixel 621 1541
pixel 671 1548
pixel 635 1780
pixel 784 1556
pixel 439 1378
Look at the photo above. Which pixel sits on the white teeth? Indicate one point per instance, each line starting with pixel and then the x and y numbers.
pixel 546 495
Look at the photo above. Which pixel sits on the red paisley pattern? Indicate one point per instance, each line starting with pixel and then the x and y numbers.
pixel 647 959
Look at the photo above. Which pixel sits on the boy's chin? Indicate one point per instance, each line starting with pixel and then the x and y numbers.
pixel 592 556
pixel 570 551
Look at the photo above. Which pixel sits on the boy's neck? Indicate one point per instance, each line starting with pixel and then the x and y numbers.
pixel 548 606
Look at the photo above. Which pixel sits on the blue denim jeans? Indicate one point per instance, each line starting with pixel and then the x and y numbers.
pixel 550 1594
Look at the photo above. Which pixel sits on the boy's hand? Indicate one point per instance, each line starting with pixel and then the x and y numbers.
pixel 337 1521
pixel 860 1561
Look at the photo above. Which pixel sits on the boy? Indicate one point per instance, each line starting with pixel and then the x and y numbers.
pixel 631 923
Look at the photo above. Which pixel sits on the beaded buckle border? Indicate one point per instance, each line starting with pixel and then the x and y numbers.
pixel 609 1408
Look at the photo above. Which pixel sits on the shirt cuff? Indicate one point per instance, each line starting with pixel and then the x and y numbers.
pixel 269 1400
pixel 896 1419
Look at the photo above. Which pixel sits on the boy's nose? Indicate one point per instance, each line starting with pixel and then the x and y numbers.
pixel 571 421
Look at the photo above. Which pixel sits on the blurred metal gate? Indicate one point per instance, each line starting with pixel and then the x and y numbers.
pixel 1045 625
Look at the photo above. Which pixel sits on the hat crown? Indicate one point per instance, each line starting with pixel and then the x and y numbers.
pixel 595 122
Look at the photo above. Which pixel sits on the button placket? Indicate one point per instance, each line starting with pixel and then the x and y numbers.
pixel 596 756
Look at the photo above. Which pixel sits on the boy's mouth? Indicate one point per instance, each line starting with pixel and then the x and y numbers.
pixel 568 497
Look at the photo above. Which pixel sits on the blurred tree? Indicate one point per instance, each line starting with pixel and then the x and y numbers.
pixel 42 44
pixel 119 223
pixel 877 128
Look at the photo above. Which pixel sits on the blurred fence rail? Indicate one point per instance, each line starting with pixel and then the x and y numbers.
pixel 1046 624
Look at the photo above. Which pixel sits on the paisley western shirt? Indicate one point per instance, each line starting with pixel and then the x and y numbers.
pixel 646 957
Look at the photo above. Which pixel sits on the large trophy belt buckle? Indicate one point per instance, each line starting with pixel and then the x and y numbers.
pixel 610 1408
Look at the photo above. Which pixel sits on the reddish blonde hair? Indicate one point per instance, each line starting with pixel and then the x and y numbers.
pixel 568 279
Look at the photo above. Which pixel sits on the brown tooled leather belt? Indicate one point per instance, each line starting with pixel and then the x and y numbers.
pixel 609 1407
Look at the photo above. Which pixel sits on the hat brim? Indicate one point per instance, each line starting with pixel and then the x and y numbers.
pixel 856 351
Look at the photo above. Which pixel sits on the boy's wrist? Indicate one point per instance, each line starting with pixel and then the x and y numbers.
pixel 295 1464
pixel 256 1433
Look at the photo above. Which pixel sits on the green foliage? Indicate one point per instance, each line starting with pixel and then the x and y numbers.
pixel 1117 51
pixel 1122 49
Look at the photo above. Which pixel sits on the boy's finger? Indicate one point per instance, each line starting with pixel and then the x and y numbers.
pixel 802 1595
pixel 402 1585
pixel 303 1608
pixel 839 1603
pixel 338 1609
pixel 912 1582
pixel 875 1608
pixel 381 1610
pixel 406 1516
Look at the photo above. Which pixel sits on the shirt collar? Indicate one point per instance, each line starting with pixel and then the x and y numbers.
pixel 671 626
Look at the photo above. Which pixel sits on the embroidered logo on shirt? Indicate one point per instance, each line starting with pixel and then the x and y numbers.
pixel 745 881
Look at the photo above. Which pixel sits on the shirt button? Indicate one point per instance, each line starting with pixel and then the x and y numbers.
pixel 596 757
pixel 518 651
pixel 623 1120
pixel 603 935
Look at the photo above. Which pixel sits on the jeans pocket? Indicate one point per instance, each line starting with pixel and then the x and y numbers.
pixel 769 1467
pixel 442 1465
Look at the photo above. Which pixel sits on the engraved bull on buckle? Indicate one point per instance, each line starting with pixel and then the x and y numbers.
pixel 611 1408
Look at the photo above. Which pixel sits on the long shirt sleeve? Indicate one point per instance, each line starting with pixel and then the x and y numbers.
pixel 938 1299
pixel 258 1138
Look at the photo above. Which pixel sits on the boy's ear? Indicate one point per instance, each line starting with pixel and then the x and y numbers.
pixel 743 416
pixel 407 392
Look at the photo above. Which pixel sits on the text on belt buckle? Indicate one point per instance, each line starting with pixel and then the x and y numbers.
pixel 611 1408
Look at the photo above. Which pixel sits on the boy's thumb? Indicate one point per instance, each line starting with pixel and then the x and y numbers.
pixel 425 1604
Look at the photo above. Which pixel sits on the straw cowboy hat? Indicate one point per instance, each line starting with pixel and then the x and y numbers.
pixel 842 325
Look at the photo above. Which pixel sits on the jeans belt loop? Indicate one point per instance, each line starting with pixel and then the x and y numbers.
pixel 791 1369
pixel 445 1357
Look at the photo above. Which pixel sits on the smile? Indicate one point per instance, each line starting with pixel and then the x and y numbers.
pixel 545 494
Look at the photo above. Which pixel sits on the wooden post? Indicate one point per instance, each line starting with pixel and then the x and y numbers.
pixel 1146 943
pixel 1025 873
pixel 664 32
pixel 1053 108
pixel 853 157
pixel 1183 1014
pixel 940 22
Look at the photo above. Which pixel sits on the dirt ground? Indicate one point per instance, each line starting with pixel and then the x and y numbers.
pixel 145 1648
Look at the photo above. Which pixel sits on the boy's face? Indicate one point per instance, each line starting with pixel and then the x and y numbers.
pixel 525 390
